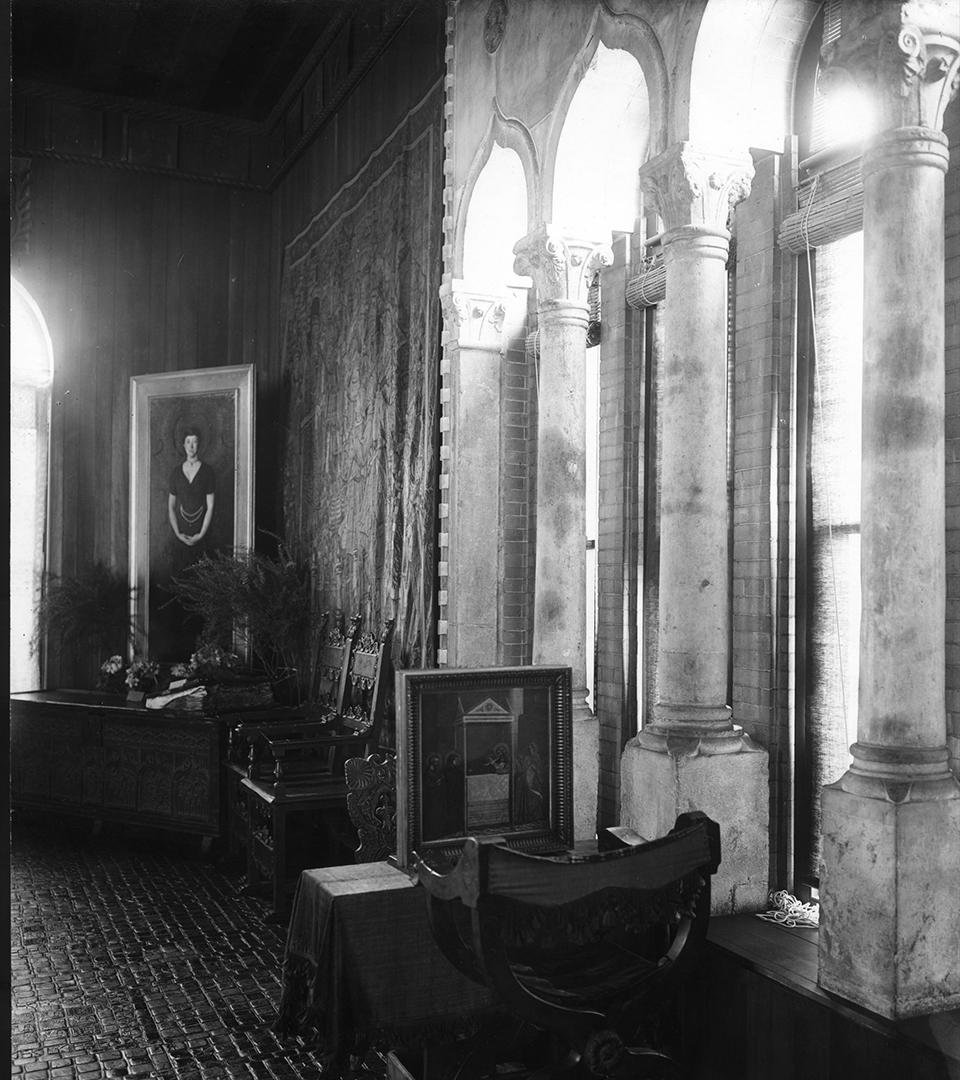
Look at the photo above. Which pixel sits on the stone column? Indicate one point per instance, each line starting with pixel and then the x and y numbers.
pixel 560 267
pixel 890 878
pixel 692 755
pixel 470 474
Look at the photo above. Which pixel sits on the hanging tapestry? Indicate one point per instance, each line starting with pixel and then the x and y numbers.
pixel 360 352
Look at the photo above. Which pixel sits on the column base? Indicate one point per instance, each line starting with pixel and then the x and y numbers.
pixel 586 767
pixel 890 879
pixel 665 775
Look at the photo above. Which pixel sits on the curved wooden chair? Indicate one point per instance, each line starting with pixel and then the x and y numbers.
pixel 584 946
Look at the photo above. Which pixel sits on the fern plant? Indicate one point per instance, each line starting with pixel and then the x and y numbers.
pixel 90 609
pixel 263 602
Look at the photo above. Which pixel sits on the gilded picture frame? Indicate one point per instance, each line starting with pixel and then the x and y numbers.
pixel 208 412
pixel 483 752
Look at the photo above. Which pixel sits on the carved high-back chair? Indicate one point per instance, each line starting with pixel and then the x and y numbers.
pixel 583 946
pixel 251 739
pixel 372 804
pixel 371 681
pixel 328 688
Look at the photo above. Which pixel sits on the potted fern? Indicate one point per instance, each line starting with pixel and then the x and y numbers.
pixel 89 611
pixel 261 602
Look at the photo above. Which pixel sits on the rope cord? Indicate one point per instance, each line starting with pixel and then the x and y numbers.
pixel 787 910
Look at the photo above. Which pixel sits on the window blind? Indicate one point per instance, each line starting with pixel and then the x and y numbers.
pixel 649 287
pixel 833 523
pixel 829 207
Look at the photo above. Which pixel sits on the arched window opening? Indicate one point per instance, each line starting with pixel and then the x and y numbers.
pixel 601 148
pixel 496 219
pixel 829 379
pixel 596 192
pixel 31 372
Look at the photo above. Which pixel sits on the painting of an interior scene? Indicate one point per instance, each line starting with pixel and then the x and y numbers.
pixel 370 359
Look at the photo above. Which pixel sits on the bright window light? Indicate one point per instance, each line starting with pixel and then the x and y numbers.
pixel 844 114
pixel 31 371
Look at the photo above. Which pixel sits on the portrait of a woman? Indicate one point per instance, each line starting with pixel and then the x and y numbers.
pixel 190 503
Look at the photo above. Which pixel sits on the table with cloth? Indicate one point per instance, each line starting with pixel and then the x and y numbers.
pixel 362 968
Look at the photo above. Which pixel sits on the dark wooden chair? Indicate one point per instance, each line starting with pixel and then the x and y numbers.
pixel 586 947
pixel 372 804
pixel 293 742
pixel 296 795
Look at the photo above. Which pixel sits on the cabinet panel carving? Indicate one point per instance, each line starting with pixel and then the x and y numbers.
pixel 71 750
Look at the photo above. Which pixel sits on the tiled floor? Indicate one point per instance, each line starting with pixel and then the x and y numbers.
pixel 133 956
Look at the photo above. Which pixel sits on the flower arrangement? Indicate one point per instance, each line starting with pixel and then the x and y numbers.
pixel 112 674
pixel 210 662
pixel 142 675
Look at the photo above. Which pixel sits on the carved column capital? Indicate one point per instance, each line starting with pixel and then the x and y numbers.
pixel 906 56
pixel 561 266
pixel 472 319
pixel 695 187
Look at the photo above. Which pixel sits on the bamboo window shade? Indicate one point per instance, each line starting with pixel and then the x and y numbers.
pixel 830 193
pixel 829 207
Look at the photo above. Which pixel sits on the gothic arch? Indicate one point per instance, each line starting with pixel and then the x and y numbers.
pixel 510 134
pixel 735 84
pixel 615 31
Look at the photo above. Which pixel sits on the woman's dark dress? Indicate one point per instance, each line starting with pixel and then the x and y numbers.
pixel 190 508
pixel 173 632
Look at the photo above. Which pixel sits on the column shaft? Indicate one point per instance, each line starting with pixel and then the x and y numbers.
pixel 694 649
pixel 559 619
pixel 471 475
pixel 560 267
pixel 903 548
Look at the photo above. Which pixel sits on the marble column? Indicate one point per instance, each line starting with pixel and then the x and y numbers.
pixel 692 755
pixel 890 878
pixel 475 333
pixel 560 267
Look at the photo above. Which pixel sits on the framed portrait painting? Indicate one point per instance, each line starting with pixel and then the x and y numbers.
pixel 483 752
pixel 191 490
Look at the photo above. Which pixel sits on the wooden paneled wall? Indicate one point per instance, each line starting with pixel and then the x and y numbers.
pixel 134 273
pixel 140 270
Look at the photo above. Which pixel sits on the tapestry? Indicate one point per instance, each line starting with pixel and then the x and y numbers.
pixel 360 353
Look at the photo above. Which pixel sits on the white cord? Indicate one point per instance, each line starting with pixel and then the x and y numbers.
pixel 789 911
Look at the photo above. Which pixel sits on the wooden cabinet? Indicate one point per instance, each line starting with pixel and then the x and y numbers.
pixel 89 753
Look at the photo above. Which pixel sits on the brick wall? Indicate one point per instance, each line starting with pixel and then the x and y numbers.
pixel 952 364
pixel 517 507
pixel 618 532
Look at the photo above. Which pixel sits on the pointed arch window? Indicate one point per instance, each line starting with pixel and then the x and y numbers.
pixel 31 373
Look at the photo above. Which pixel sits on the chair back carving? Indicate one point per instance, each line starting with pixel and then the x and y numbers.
pixel 328 690
pixel 372 804
pixel 585 946
pixel 370 678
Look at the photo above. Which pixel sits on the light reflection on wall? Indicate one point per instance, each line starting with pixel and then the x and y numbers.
pixel 31 372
